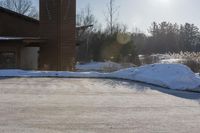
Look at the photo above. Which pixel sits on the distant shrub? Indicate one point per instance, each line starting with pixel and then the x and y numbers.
pixel 192 59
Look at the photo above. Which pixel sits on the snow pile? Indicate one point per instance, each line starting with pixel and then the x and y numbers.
pixel 99 66
pixel 173 76
pixel 23 73
pixel 170 61
pixel 160 58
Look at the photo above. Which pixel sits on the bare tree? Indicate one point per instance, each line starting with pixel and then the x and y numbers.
pixel 86 25
pixel 24 7
pixel 112 14
pixel 85 22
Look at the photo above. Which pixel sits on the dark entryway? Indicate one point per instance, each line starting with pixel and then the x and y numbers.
pixel 8 60
pixel 20 52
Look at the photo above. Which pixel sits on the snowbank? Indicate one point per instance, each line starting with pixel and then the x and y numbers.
pixel 173 76
pixel 170 61
pixel 99 66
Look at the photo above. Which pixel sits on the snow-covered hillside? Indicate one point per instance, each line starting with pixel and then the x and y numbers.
pixel 172 76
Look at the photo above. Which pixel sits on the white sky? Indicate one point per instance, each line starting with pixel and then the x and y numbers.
pixel 141 13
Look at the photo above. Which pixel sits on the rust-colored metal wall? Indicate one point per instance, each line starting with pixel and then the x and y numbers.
pixel 14 24
pixel 57 24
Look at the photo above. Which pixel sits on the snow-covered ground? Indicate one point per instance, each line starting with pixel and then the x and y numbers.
pixel 53 105
pixel 99 66
pixel 107 66
pixel 172 76
pixel 161 58
pixel 167 61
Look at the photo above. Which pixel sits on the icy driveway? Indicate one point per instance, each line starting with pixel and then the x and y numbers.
pixel 50 105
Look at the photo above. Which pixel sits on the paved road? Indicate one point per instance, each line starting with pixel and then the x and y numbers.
pixel 52 105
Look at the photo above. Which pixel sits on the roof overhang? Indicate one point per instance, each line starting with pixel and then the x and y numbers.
pixel 25 41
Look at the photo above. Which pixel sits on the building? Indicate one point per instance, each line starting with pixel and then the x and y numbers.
pixel 48 44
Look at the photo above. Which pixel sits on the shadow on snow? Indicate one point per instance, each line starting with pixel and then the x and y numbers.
pixel 142 87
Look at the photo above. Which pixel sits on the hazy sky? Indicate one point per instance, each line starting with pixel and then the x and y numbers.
pixel 141 13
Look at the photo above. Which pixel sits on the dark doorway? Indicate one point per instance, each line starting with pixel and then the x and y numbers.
pixel 7 60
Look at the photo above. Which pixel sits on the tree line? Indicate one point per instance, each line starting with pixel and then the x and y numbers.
pixel 117 44
pixel 168 37
pixel 113 42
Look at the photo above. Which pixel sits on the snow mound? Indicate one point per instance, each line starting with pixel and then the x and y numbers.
pixel 172 76
pixel 99 66
pixel 168 61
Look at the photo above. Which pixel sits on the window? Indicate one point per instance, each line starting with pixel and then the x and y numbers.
pixel 7 60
